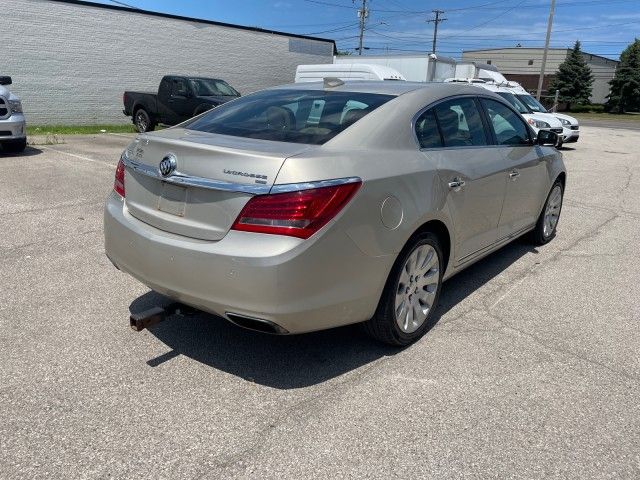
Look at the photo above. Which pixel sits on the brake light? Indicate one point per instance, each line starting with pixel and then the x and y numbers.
pixel 296 214
pixel 118 183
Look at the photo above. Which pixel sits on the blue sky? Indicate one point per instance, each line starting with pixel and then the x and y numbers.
pixel 399 26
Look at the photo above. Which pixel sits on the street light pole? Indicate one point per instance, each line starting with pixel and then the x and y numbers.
pixel 546 49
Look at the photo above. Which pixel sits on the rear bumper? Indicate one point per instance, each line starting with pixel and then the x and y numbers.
pixel 13 128
pixel 300 286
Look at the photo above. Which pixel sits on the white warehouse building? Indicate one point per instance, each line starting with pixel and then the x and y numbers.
pixel 71 60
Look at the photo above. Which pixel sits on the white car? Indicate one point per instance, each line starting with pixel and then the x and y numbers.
pixel 13 129
pixel 537 120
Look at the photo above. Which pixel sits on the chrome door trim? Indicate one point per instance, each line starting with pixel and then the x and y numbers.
pixel 494 245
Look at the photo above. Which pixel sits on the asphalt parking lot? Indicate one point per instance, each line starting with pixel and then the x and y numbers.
pixel 532 371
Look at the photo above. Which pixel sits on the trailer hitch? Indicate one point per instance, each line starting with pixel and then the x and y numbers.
pixel 155 315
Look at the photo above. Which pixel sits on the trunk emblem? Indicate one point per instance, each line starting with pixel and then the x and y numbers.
pixel 168 165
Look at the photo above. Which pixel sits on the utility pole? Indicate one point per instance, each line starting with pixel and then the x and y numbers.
pixel 363 13
pixel 546 49
pixel 435 22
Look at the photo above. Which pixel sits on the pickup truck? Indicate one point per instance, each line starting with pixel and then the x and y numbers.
pixel 13 128
pixel 178 99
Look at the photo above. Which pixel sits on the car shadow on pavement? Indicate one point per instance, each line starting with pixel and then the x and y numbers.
pixel 297 361
pixel 28 152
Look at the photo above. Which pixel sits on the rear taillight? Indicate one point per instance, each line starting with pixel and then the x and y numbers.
pixel 297 214
pixel 118 183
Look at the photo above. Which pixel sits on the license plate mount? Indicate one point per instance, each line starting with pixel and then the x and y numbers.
pixel 173 199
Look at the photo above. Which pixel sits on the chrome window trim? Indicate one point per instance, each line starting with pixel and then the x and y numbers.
pixel 296 187
pixel 478 95
pixel 178 178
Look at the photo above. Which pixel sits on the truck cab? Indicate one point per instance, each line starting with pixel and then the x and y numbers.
pixel 178 99
pixel 13 128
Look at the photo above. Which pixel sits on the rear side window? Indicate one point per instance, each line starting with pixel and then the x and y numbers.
pixel 179 87
pixel 294 116
pixel 427 130
pixel 460 123
pixel 508 126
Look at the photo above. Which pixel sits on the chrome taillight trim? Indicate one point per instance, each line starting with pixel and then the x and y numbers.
pixel 296 187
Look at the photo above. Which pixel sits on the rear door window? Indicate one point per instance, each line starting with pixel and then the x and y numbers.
pixel 508 126
pixel 296 116
pixel 460 123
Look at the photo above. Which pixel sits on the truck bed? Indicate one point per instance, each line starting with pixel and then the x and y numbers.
pixel 146 99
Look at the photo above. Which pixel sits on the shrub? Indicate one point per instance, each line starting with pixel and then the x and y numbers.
pixel 587 108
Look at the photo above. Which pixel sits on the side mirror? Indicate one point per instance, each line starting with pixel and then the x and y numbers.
pixel 5 81
pixel 547 138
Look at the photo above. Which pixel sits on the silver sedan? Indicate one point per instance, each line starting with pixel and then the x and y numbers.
pixel 309 206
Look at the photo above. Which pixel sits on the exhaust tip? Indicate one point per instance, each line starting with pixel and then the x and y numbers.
pixel 256 324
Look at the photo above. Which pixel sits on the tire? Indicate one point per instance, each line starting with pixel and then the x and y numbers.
pixel 394 325
pixel 142 121
pixel 547 223
pixel 14 146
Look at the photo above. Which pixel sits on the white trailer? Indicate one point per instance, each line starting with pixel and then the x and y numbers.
pixel 345 71
pixel 414 68
pixel 482 71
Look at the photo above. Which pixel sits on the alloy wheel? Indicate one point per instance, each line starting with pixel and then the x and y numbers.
pixel 141 122
pixel 417 288
pixel 552 211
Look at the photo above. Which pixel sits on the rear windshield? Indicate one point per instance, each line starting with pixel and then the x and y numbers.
pixel 294 116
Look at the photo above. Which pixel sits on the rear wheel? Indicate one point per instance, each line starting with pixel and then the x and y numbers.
pixel 14 146
pixel 142 121
pixel 411 294
pixel 547 223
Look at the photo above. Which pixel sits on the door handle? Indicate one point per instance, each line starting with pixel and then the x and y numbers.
pixel 456 183
pixel 514 174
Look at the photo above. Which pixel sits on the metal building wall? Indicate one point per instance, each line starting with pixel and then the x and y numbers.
pixel 70 62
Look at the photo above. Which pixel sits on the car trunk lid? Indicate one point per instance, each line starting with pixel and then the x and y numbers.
pixel 214 177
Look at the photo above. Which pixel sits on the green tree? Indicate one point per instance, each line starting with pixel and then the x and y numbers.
pixel 574 79
pixel 625 86
pixel 343 52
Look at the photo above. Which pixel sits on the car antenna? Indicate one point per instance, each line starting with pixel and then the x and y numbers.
pixel 332 82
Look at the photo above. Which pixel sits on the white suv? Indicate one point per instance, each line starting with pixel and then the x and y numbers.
pixel 13 128
pixel 570 125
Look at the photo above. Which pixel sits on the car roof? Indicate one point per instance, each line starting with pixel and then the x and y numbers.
pixel 386 87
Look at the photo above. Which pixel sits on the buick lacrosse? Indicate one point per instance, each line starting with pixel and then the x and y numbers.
pixel 314 205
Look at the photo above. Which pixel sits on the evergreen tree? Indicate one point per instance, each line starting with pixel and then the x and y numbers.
pixel 625 86
pixel 574 79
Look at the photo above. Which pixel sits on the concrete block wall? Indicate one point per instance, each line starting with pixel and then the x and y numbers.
pixel 71 63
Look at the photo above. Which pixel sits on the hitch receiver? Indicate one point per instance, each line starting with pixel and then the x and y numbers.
pixel 155 315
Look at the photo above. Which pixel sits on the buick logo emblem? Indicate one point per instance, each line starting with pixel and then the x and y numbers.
pixel 168 165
